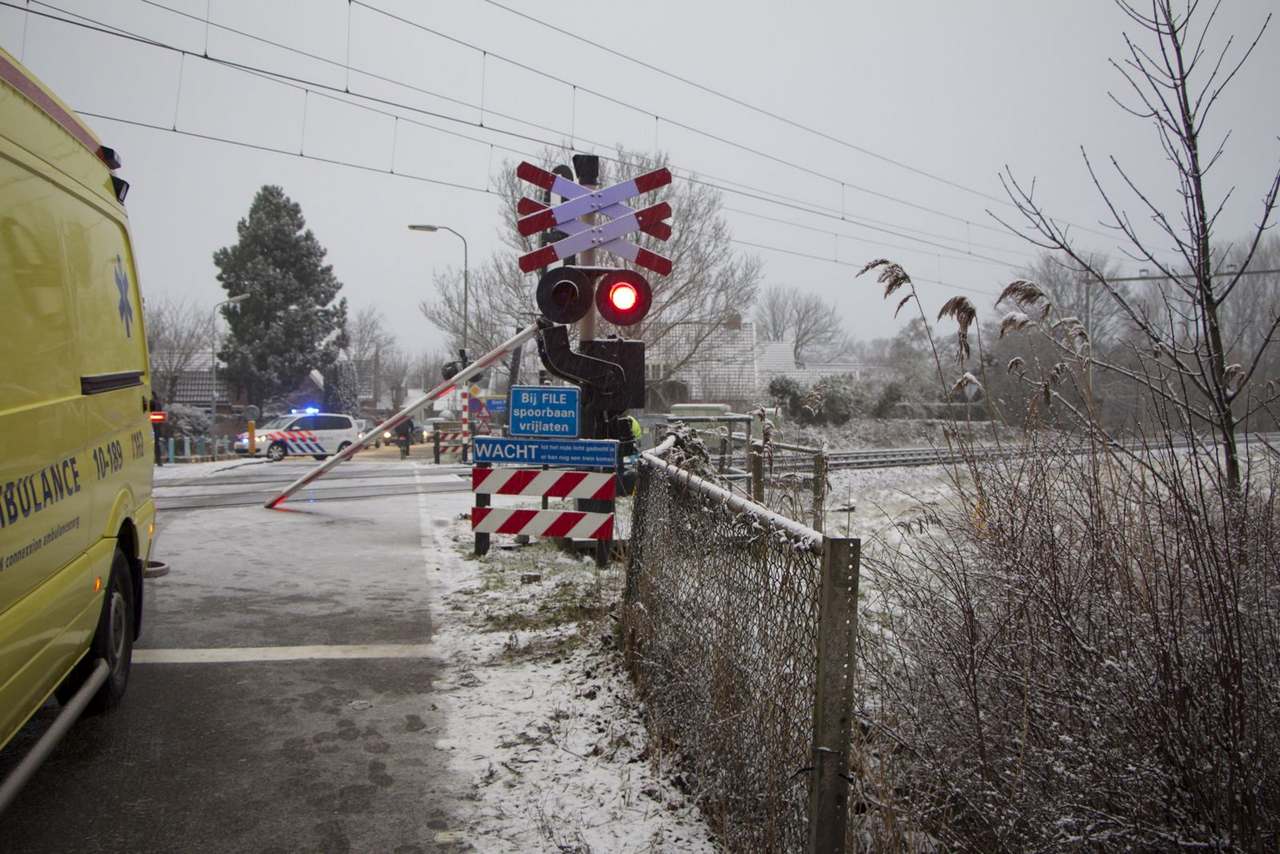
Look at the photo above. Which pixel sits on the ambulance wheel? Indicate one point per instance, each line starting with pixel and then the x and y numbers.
pixel 343 446
pixel 112 642
pixel 320 456
pixel 276 452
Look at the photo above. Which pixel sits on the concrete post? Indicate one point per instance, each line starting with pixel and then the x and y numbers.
pixel 833 699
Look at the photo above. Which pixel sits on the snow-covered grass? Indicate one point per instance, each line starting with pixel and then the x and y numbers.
pixel 539 714
pixel 1032 644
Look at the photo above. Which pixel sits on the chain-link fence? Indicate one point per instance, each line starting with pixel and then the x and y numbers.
pixel 739 627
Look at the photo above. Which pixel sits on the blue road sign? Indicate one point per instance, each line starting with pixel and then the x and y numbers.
pixel 594 453
pixel 544 411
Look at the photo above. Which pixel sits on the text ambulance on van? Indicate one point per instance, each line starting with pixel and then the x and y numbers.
pixel 77 519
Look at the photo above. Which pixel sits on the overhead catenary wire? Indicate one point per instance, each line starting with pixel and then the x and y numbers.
pixel 572 133
pixel 701 132
pixel 839 263
pixel 304 84
pixel 648 66
pixel 332 161
pixel 485 53
pixel 820 230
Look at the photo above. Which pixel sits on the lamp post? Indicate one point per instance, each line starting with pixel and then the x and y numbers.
pixel 466 290
pixel 213 351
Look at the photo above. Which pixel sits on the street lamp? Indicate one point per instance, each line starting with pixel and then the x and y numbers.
pixel 466 326
pixel 213 350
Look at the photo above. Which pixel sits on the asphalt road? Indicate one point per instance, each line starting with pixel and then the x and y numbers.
pixel 280 699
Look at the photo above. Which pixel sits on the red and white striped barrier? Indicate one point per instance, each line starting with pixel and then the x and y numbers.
pixel 550 483
pixel 543 523
pixel 453 438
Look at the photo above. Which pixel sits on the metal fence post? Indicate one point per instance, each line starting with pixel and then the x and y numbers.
pixel 435 443
pixel 724 454
pixel 833 695
pixel 757 473
pixel 819 491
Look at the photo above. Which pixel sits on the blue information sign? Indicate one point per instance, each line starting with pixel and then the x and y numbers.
pixel 593 453
pixel 544 411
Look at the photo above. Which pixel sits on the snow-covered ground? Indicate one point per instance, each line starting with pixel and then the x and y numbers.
pixel 182 471
pixel 865 502
pixel 539 715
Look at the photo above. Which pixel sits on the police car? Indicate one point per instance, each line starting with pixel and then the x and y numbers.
pixel 320 434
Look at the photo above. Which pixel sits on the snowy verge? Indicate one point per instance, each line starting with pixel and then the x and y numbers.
pixel 540 718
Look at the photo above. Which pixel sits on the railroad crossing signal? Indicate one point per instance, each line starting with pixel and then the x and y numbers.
pixel 608 235
pixel 623 297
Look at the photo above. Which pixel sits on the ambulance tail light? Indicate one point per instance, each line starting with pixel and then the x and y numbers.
pixel 158 417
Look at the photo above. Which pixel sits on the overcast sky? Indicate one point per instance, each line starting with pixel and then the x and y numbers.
pixel 953 89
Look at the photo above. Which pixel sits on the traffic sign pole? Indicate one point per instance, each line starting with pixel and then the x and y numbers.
pixel 587 332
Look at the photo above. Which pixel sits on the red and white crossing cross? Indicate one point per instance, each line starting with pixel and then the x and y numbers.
pixel 567 189
pixel 607 235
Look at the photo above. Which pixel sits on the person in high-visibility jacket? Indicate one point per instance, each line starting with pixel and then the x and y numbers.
pixel 631 445
pixel 630 434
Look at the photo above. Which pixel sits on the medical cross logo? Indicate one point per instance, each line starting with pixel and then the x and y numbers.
pixel 124 306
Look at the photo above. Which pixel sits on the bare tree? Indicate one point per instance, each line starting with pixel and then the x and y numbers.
pixel 1247 315
pixel 710 284
pixel 1076 293
pixel 427 367
pixel 1185 364
pixel 815 323
pixel 367 334
pixel 773 314
pixel 177 332
pixel 395 374
pixel 812 323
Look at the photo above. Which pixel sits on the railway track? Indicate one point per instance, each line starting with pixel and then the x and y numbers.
pixel 794 460
pixel 242 486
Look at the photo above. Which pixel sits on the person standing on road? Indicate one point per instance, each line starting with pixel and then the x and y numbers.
pixel 404 435
pixel 155 428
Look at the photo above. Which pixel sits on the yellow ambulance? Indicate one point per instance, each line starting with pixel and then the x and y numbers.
pixel 76 513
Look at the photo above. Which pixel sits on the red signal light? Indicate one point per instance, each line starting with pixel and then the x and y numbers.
pixel 623 297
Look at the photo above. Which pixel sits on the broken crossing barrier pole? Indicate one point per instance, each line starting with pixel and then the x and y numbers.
pixel 394 421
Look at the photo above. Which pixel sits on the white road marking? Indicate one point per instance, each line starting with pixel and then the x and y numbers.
pixel 232 655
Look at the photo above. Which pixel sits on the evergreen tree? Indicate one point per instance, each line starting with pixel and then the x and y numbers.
pixel 341 388
pixel 291 324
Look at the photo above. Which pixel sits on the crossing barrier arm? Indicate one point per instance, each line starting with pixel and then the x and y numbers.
pixel 391 423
